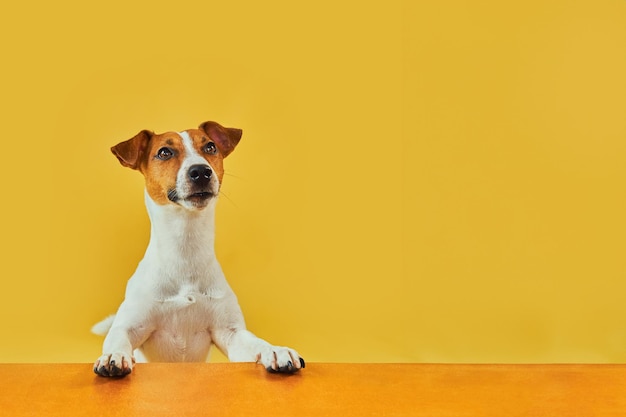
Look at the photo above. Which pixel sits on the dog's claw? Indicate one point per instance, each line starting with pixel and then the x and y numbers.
pixel 111 369
pixel 102 371
pixel 287 369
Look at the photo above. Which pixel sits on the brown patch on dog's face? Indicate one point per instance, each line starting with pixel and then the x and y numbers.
pixel 160 165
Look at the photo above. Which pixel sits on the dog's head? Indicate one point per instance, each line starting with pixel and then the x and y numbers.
pixel 183 168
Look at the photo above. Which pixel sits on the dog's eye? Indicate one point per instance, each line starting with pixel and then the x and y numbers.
pixel 164 154
pixel 210 148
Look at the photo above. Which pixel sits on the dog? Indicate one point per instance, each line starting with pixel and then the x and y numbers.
pixel 178 302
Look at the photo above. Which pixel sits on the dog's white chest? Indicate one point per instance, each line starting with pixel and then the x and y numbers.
pixel 183 330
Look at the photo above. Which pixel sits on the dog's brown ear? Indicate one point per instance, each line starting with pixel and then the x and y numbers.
pixel 226 138
pixel 129 152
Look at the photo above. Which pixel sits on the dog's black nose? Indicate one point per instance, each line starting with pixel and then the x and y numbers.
pixel 200 173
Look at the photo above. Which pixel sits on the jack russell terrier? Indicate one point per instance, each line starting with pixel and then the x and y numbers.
pixel 178 302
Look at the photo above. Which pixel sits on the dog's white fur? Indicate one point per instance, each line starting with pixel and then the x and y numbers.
pixel 178 302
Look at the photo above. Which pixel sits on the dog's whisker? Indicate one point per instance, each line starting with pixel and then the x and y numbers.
pixel 229 199
pixel 233 175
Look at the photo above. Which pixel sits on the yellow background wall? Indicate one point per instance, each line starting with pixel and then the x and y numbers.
pixel 417 181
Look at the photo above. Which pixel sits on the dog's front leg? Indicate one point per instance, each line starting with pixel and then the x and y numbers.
pixel 125 335
pixel 240 345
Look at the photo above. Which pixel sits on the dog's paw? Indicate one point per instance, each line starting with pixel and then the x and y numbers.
pixel 278 359
pixel 115 364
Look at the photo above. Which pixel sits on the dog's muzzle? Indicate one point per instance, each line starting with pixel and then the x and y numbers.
pixel 201 184
pixel 199 188
pixel 200 180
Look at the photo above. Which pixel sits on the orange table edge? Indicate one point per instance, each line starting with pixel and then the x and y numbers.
pixel 322 389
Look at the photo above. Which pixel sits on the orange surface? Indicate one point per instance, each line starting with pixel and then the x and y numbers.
pixel 320 390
